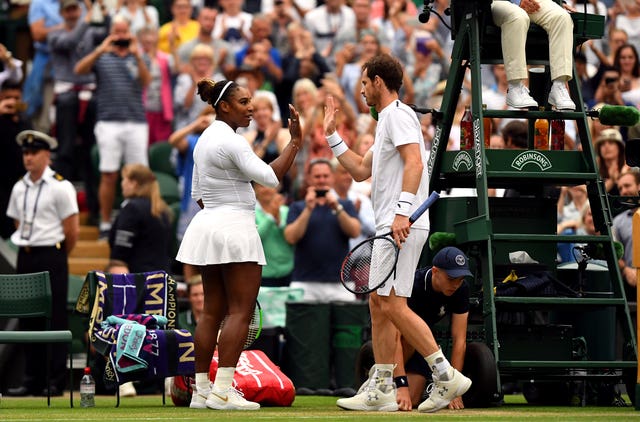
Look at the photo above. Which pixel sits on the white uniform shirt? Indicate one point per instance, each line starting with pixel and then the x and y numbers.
pixel 397 125
pixel 224 166
pixel 52 199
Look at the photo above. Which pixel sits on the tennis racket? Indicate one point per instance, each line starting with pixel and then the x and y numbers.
pixel 255 326
pixel 356 275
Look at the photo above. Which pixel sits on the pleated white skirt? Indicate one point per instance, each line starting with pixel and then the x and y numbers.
pixel 221 236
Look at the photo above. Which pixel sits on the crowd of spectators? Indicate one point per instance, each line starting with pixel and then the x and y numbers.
pixel 122 74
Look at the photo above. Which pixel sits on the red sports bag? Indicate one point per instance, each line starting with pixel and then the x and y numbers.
pixel 259 379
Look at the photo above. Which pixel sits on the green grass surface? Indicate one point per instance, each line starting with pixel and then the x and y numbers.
pixel 149 408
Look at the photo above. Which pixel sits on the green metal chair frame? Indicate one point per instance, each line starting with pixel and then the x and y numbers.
pixel 29 296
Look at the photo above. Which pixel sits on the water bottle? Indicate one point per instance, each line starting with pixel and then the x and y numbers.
pixel 557 135
pixel 87 389
pixel 541 133
pixel 466 129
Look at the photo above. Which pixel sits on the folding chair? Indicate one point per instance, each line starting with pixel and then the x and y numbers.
pixel 142 306
pixel 29 296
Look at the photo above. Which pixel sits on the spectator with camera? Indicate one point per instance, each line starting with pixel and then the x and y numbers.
pixel 121 130
pixel 608 91
pixel 626 62
pixel 320 226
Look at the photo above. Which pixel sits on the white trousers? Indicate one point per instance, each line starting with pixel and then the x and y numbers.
pixel 514 24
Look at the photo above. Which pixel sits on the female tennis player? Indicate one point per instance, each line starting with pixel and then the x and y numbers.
pixel 222 239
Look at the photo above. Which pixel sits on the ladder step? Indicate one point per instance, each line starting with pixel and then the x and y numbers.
pixel 560 301
pixel 568 364
pixel 565 238
pixel 526 114
pixel 534 177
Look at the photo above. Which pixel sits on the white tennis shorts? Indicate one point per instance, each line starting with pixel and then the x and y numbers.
pixel 408 259
pixel 121 141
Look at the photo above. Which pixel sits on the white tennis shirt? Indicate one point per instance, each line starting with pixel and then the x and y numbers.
pixel 397 125
pixel 224 166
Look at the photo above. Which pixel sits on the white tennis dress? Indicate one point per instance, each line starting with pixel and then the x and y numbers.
pixel 225 230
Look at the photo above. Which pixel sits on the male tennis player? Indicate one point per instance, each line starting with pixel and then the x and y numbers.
pixel 399 185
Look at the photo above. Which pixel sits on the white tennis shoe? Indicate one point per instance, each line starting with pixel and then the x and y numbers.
pixel 560 98
pixel 229 399
pixel 199 398
pixel 518 97
pixel 445 391
pixel 371 397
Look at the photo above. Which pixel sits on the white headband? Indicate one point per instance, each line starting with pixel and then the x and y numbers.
pixel 222 92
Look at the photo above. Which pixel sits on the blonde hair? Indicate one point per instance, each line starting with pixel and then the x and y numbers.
pixel 120 18
pixel 202 50
pixel 304 84
pixel 146 187
pixel 262 100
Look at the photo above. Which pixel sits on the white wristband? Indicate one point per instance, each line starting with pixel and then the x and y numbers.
pixel 405 201
pixel 338 146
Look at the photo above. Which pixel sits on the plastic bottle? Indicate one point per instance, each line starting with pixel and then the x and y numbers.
pixel 87 389
pixel 557 135
pixel 541 133
pixel 466 129
pixel 486 124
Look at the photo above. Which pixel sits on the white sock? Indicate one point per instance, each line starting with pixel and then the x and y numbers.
pixel 224 378
pixel 558 83
pixel 383 373
pixel 515 83
pixel 105 225
pixel 439 365
pixel 202 381
pixel 383 376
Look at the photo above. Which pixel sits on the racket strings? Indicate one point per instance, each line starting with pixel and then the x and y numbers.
pixel 357 268
pixel 255 326
pixel 369 265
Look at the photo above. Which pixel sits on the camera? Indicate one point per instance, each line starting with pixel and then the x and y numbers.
pixel 321 192
pixel 124 42
pixel 611 79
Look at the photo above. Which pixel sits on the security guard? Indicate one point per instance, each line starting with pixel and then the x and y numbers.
pixel 45 210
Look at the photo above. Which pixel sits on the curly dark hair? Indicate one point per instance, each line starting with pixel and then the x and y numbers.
pixel 388 68
pixel 209 91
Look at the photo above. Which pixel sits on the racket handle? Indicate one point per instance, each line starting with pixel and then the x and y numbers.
pixel 424 206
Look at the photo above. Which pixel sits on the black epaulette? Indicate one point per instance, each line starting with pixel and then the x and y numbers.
pixel 58 177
